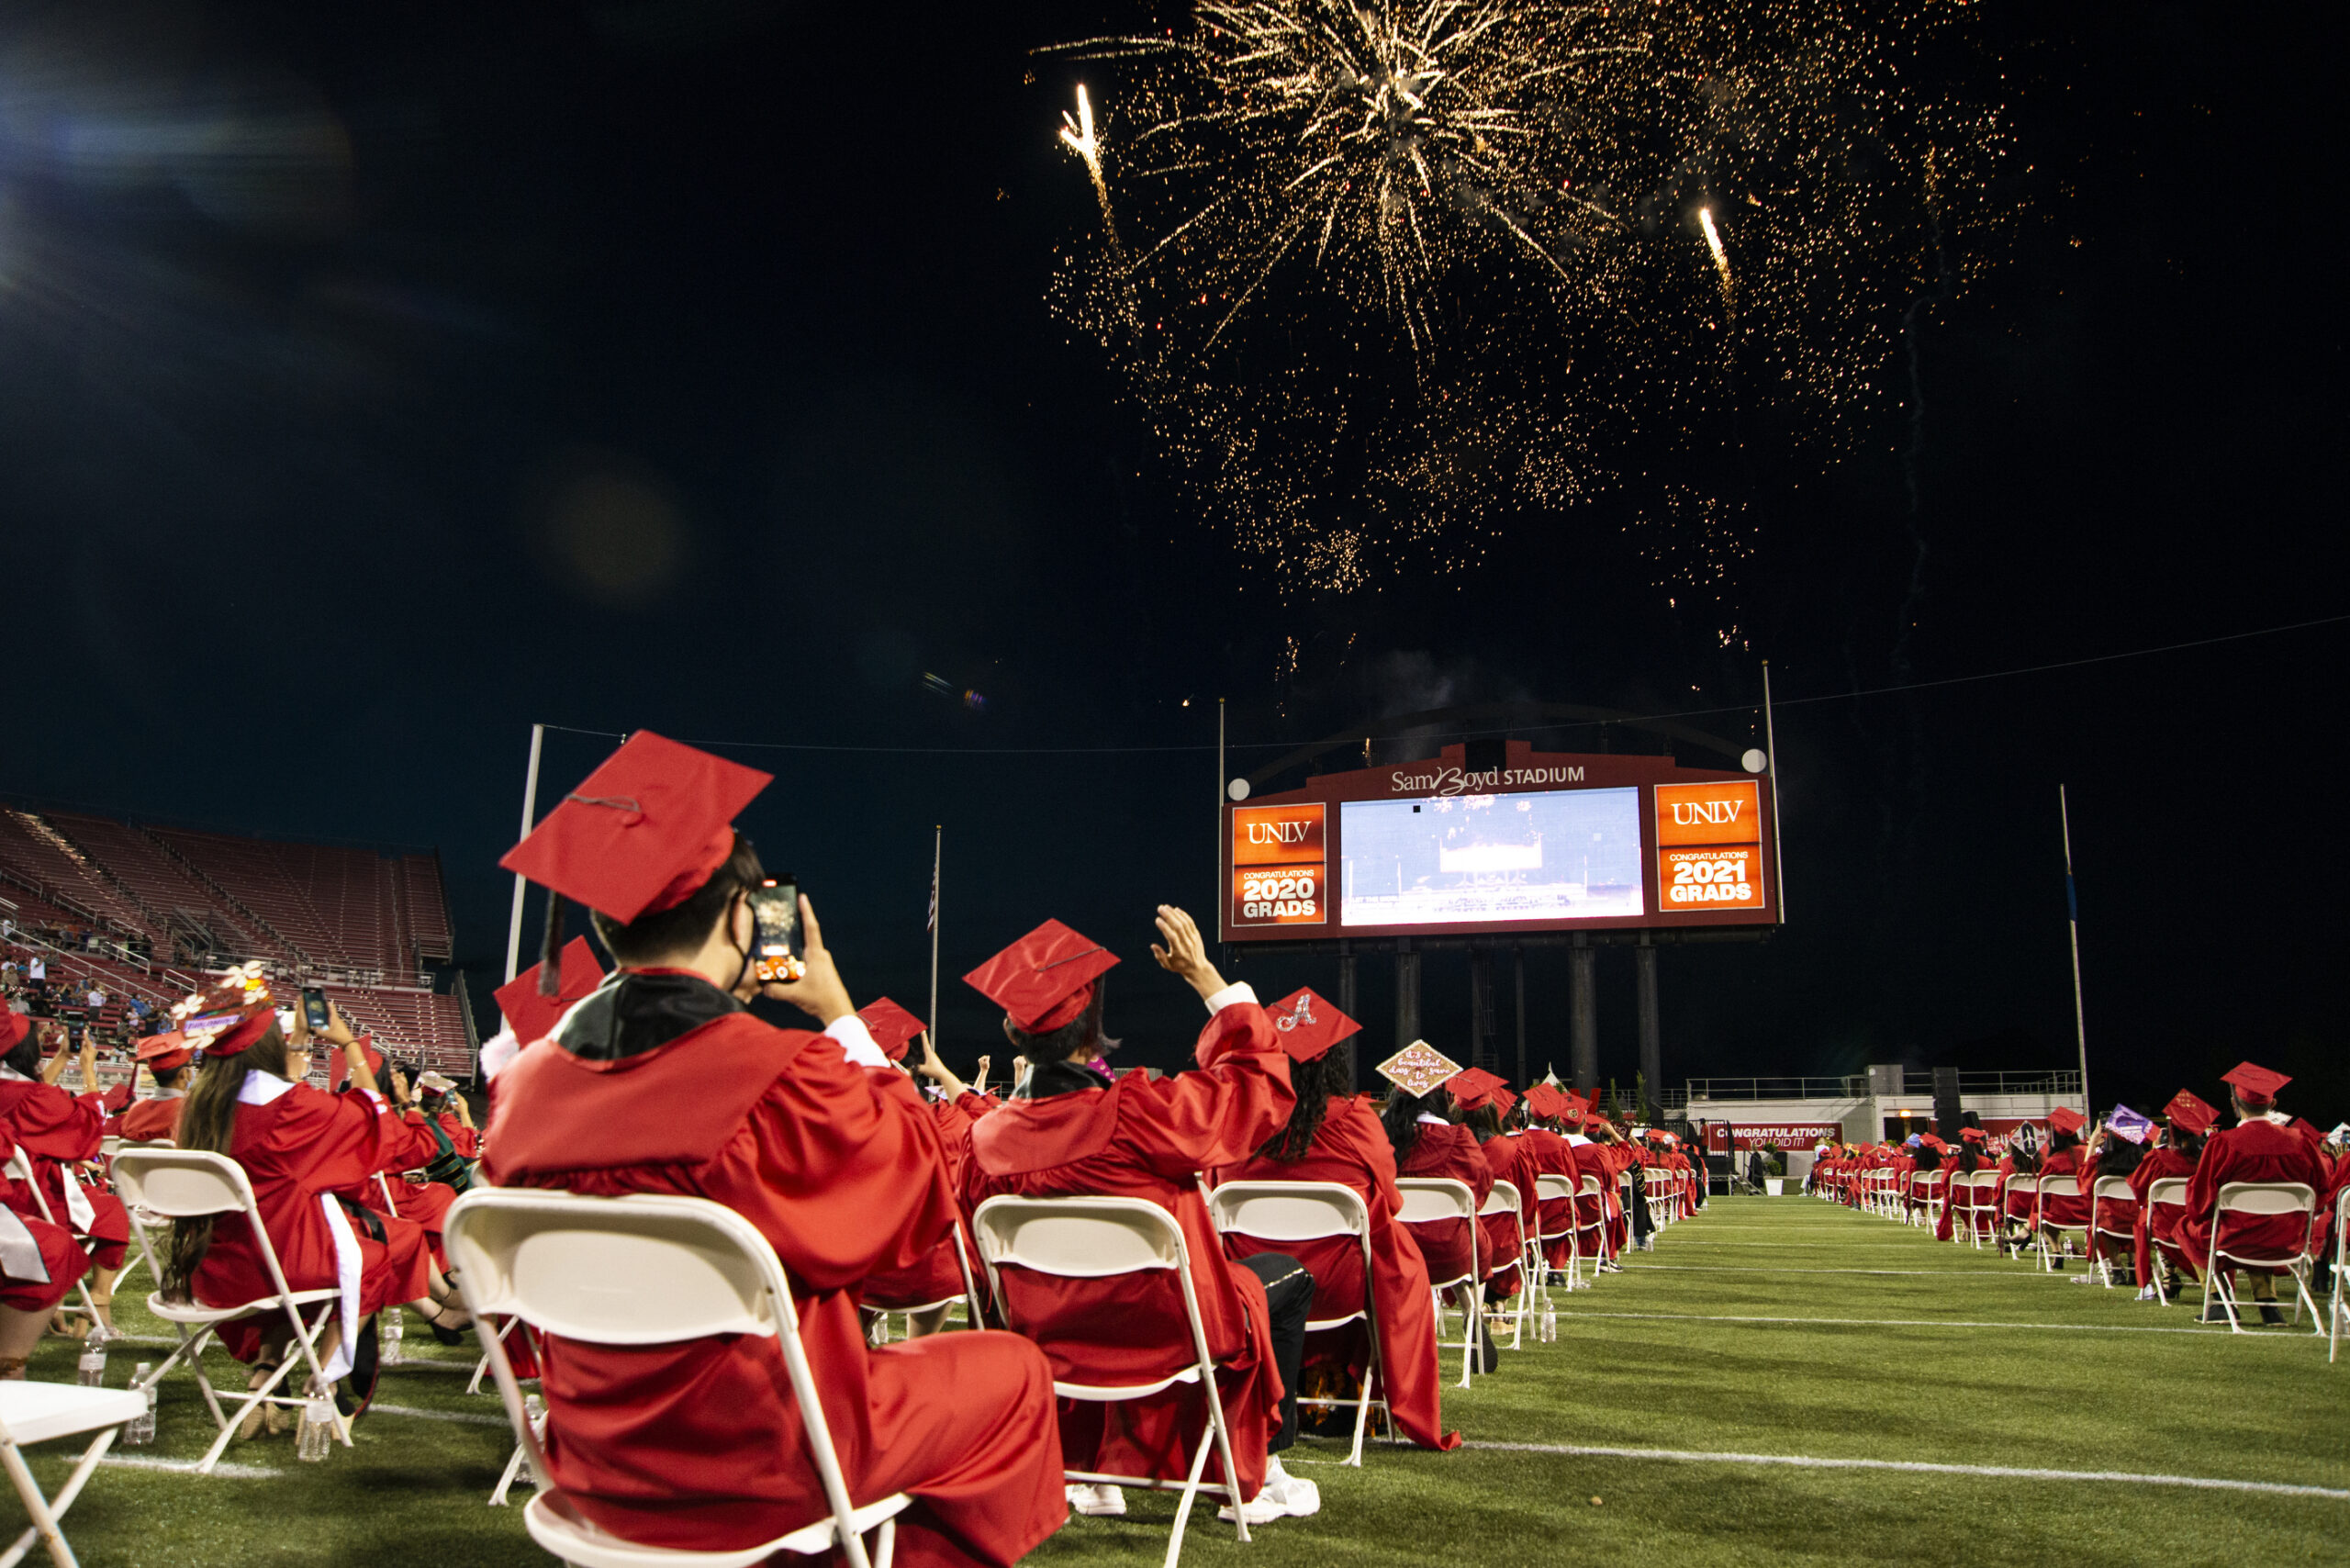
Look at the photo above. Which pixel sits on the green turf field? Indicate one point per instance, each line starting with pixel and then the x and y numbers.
pixel 1765 1330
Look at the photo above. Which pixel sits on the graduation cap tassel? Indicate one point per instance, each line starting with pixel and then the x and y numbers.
pixel 551 951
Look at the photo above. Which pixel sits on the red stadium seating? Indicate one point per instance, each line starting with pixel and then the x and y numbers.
pixel 363 924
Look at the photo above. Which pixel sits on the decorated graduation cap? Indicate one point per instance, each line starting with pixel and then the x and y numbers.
pixel 1309 1025
pixel 166 1052
pixel 891 1027
pixel 1419 1069
pixel 2188 1114
pixel 2126 1123
pixel 1474 1087
pixel 643 833
pixel 2064 1119
pixel 433 1082
pixel 1572 1108
pixel 532 1015
pixel 2253 1084
pixel 1047 979
pixel 231 1014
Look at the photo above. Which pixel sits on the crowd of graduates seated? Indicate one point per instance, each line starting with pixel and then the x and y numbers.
pixel 2124 1237
pixel 862 1162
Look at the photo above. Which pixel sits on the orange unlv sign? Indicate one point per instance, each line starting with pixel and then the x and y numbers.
pixel 1280 866
pixel 1709 846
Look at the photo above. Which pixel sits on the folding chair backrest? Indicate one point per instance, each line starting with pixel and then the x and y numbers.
pixel 1501 1200
pixel 2059 1187
pixel 2267 1198
pixel 2169 1191
pixel 2113 1189
pixel 643 1269
pixel 1589 1188
pixel 1288 1211
pixel 181 1184
pixel 1430 1198
pixel 1085 1237
pixel 1554 1187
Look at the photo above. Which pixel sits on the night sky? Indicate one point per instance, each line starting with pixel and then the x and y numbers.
pixel 375 382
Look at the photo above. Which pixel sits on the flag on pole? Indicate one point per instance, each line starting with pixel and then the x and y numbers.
pixel 931 923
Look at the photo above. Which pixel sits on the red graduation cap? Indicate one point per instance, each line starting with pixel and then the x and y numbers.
pixel 14 1027
pixel 532 1015
pixel 1972 1134
pixel 166 1052
pixel 231 1014
pixel 644 832
pixel 1046 980
pixel 1309 1025
pixel 1474 1087
pixel 1572 1108
pixel 2190 1114
pixel 2256 1084
pixel 374 1057
pixel 1542 1100
pixel 2064 1119
pixel 1504 1098
pixel 891 1027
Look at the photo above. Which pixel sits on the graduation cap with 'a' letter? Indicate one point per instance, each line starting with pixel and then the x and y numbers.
pixel 1309 1025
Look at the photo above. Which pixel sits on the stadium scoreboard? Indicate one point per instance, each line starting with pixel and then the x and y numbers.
pixel 1545 842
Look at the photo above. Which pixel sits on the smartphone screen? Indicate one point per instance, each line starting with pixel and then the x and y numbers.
pixel 314 1008
pixel 775 904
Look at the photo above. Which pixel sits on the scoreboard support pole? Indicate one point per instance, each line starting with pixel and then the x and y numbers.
pixel 1346 990
pixel 1651 1037
pixel 1407 993
pixel 1518 982
pixel 1583 1005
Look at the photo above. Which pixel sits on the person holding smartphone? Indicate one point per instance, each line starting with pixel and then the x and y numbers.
pixel 662 1081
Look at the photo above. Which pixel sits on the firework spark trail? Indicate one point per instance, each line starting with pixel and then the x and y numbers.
pixel 1721 257
pixel 1404 273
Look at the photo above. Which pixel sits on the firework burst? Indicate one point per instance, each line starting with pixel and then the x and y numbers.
pixel 1393 274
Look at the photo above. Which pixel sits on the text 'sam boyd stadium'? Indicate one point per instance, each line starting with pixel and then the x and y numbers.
pixel 1543 842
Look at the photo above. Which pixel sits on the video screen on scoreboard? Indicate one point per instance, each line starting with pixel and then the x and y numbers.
pixel 1474 859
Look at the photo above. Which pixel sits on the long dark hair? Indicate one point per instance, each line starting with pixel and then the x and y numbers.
pixel 24 1056
pixel 1401 1116
pixel 1316 1082
pixel 1081 1035
pixel 208 1121
pixel 2120 1157
pixel 1485 1122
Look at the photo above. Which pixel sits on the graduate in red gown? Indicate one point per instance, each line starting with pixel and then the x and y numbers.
pixel 1070 1129
pixel 2113 1152
pixel 663 1081
pixel 298 1146
pixel 2261 1146
pixel 2179 1145
pixel 1479 1096
pixel 927 1290
pixel 58 1131
pixel 1424 1131
pixel 39 1262
pixel 1547 1153
pixel 1333 1134
pixel 156 1119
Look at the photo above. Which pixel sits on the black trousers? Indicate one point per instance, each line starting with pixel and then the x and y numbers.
pixel 1289 1292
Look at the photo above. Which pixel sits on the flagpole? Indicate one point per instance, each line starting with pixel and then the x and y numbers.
pixel 2073 920
pixel 937 856
pixel 1770 761
pixel 1223 893
pixel 530 812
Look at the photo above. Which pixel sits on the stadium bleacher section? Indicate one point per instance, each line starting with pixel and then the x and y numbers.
pixel 139 909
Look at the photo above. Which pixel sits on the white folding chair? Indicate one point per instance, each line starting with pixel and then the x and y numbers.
pixel 644 1270
pixel 1503 1200
pixel 2258 1200
pixel 2338 1305
pixel 1101 1239
pixel 2166 1193
pixel 2104 1191
pixel 1551 1188
pixel 1981 1212
pixel 1281 1212
pixel 1597 1251
pixel 970 1297
pixel 188 1184
pixel 1432 1200
pixel 38 1413
pixel 21 1169
pixel 2045 1188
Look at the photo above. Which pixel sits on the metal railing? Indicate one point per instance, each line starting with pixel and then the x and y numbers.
pixel 1916 1085
pixel 2054 1080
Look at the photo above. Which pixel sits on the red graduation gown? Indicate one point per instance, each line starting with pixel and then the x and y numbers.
pixel 2157 1226
pixel 1511 1160
pixel 698 1445
pixel 2255 1150
pixel 153 1121
pixel 1548 1154
pixel 62 1257
pixel 1450 1152
pixel 2112 1214
pixel 57 1130
pixel 297 1151
pixel 937 1275
pixel 1350 1148
pixel 1146 1139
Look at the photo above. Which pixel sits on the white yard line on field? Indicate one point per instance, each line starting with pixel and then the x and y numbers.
pixel 464 1416
pixel 187 1466
pixel 1922 1467
pixel 1930 1323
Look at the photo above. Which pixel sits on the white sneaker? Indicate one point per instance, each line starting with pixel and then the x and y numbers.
pixel 1283 1496
pixel 2146 1293
pixel 1099 1502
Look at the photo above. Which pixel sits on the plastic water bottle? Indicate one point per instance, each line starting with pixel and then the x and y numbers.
pixel 1550 1324
pixel 90 1372
pixel 390 1351
pixel 317 1430
pixel 140 1429
pixel 534 1410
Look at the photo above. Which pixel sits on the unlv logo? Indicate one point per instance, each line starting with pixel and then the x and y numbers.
pixel 1302 1014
